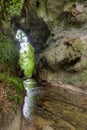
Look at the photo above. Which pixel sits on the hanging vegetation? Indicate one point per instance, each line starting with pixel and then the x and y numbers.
pixel 27 61
pixel 9 8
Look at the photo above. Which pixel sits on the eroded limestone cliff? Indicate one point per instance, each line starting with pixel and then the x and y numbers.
pixel 58 30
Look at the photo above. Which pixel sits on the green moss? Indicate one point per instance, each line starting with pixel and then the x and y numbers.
pixel 74 50
pixel 30 83
pixel 83 77
pixel 78 46
pixel 84 64
pixel 27 61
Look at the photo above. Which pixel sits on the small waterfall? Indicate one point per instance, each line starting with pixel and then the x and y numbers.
pixel 21 36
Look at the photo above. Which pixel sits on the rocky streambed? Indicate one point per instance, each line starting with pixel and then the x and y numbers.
pixel 46 107
pixel 54 108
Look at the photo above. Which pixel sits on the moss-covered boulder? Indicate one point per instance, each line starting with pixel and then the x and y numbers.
pixel 74 50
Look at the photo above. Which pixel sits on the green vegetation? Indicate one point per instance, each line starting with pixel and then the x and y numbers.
pixel 78 45
pixel 9 8
pixel 27 61
pixel 8 55
pixel 14 97
pixel 16 83
pixel 15 7
pixel 14 88
pixel 30 83
pixel 13 81
pixel 9 65
pixel 9 52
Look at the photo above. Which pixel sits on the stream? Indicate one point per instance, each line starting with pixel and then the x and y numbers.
pixel 53 108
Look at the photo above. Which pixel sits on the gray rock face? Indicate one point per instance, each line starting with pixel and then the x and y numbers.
pixel 58 30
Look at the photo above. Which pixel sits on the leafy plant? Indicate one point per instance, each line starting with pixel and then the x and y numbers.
pixel 2 77
pixel 8 8
pixel 16 82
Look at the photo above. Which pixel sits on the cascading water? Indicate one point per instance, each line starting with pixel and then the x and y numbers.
pixel 52 108
pixel 26 58
pixel 30 101
pixel 29 84
pixel 21 36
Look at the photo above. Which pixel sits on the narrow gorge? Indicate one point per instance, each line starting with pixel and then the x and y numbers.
pixel 50 90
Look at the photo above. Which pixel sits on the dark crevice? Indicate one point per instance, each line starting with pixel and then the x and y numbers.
pixel 67 64
pixel 37 4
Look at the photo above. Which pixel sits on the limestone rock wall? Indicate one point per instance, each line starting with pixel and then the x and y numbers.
pixel 58 30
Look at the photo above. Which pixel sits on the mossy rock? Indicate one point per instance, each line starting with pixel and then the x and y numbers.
pixel 74 49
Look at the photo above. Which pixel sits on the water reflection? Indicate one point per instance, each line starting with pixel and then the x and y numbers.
pixel 55 108
pixel 30 100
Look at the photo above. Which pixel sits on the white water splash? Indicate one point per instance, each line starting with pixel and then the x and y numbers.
pixel 21 36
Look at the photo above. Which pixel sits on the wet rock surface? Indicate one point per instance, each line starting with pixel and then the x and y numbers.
pixel 64 57
pixel 57 108
pixel 58 31
pixel 63 109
